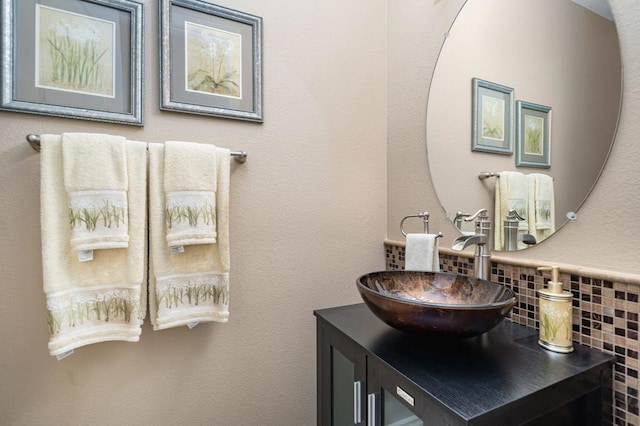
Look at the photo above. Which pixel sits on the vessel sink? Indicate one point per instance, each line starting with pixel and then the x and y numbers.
pixel 436 304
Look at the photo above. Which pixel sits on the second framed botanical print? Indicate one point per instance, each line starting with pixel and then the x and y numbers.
pixel 534 134
pixel 211 60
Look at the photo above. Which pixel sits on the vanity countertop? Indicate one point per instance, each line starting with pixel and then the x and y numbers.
pixel 488 375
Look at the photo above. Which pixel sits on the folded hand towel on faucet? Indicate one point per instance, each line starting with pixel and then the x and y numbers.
pixel 190 181
pixel 512 192
pixel 192 286
pixel 421 253
pixel 95 178
pixel 99 300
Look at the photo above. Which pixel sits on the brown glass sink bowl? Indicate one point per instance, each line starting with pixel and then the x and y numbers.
pixel 436 304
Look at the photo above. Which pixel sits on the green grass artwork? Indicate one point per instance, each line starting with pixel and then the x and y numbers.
pixel 533 143
pixel 213 61
pixel 552 322
pixel 109 215
pixel 190 214
pixel 117 307
pixel 194 293
pixel 492 118
pixel 75 52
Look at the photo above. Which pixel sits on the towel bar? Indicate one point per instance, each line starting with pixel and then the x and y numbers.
pixel 425 220
pixel 34 141
pixel 487 175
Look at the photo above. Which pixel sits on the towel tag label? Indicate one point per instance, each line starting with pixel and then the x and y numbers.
pixel 193 324
pixel 85 256
pixel 177 249
pixel 63 355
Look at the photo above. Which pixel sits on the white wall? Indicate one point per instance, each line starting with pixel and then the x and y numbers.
pixel 605 235
pixel 308 213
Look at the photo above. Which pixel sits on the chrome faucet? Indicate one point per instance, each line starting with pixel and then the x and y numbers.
pixel 511 235
pixel 482 241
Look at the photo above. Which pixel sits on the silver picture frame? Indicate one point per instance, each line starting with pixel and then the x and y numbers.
pixel 533 146
pixel 210 61
pixel 492 117
pixel 80 59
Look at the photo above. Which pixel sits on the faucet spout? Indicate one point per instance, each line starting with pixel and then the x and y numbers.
pixel 465 241
pixel 482 240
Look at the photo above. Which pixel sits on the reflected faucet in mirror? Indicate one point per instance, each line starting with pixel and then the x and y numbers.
pixel 524 209
pixel 511 235
pixel 482 240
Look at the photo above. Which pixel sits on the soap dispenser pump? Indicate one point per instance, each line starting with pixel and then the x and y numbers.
pixel 555 314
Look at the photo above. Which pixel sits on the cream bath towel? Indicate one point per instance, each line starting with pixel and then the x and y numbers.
pixel 95 178
pixel 512 192
pixel 421 253
pixel 542 204
pixel 193 286
pixel 102 299
pixel 190 180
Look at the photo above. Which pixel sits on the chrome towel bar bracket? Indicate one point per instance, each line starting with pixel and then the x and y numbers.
pixel 487 175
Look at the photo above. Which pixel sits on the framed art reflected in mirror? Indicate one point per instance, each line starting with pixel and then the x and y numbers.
pixel 492 106
pixel 533 145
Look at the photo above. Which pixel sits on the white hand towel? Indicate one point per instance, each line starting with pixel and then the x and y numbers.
pixel 193 286
pixel 190 181
pixel 95 178
pixel 102 299
pixel 512 192
pixel 543 207
pixel 421 253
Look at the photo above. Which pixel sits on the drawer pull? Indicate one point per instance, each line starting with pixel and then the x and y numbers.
pixel 371 410
pixel 357 403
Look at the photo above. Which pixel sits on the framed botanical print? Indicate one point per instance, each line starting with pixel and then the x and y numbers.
pixel 74 58
pixel 211 60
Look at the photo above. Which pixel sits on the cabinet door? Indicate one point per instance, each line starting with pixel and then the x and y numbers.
pixel 394 401
pixel 341 380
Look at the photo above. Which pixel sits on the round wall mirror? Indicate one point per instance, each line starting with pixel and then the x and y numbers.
pixel 532 87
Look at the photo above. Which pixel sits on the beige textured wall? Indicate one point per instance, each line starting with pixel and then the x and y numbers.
pixel 308 214
pixel 604 237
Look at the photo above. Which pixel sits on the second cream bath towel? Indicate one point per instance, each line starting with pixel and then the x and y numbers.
pixel 191 285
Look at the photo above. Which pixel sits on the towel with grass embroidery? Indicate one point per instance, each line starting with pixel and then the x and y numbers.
pixel 191 285
pixel 95 178
pixel 190 181
pixel 102 299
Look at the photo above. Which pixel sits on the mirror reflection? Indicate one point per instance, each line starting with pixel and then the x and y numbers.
pixel 535 154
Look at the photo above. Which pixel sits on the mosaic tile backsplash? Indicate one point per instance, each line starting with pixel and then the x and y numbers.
pixel 605 317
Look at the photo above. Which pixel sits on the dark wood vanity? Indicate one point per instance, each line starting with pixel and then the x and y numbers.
pixel 371 374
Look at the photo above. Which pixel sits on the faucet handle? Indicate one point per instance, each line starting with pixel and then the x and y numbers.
pixel 513 215
pixel 480 214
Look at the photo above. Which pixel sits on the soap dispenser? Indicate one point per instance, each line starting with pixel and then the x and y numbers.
pixel 555 315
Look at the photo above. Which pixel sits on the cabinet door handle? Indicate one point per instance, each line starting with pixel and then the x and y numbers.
pixel 357 403
pixel 371 409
